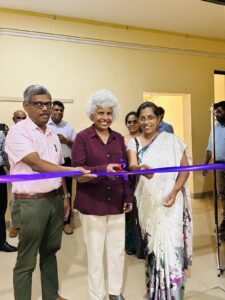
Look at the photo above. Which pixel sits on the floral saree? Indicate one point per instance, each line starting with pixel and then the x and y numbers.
pixel 167 231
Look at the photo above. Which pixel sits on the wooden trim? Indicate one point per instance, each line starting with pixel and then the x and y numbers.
pixel 15 99
pixel 106 24
pixel 202 195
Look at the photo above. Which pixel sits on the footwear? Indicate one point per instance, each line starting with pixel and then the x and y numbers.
pixel 128 252
pixel 113 297
pixel 11 246
pixel 7 248
pixel 222 237
pixel 68 229
pixel 221 228
pixel 12 232
pixel 60 298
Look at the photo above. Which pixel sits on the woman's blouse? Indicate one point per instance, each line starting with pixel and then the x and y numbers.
pixel 132 144
pixel 102 195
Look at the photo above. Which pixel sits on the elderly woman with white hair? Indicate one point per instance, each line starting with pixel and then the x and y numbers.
pixel 103 201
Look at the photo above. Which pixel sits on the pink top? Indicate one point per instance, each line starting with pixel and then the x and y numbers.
pixel 24 138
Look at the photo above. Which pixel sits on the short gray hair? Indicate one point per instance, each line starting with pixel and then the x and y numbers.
pixel 102 98
pixel 34 90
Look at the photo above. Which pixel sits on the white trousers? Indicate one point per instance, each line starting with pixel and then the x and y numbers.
pixel 104 232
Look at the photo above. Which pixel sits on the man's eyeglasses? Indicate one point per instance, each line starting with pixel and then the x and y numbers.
pixel 148 118
pixel 40 104
pixel 132 122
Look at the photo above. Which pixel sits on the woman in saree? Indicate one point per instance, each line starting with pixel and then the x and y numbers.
pixel 164 206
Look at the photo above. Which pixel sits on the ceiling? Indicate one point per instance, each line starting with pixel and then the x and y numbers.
pixel 193 17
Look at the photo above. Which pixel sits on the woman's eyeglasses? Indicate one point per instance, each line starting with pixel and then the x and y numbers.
pixel 148 118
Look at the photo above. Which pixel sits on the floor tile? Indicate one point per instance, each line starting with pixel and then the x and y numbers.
pixel 202 280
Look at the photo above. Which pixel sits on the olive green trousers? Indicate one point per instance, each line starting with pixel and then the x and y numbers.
pixel 40 226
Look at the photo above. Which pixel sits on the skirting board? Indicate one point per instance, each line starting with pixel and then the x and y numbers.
pixel 202 195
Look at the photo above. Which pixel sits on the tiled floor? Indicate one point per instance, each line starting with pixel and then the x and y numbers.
pixel 202 280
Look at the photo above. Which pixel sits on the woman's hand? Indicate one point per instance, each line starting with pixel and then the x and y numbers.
pixel 170 199
pixel 112 167
pixel 127 207
pixel 146 167
pixel 86 177
pixel 181 179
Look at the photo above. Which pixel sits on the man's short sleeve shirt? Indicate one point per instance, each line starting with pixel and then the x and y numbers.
pixel 24 138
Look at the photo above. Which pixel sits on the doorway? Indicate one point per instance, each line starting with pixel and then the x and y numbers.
pixel 219 86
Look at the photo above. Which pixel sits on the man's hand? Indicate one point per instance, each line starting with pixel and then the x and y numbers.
pixel 66 207
pixel 62 139
pixel 127 207
pixel 86 177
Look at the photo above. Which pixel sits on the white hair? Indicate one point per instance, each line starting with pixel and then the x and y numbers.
pixel 102 98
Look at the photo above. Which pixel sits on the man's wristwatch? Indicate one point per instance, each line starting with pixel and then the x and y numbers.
pixel 66 195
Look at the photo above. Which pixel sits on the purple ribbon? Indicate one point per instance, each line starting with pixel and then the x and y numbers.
pixel 38 176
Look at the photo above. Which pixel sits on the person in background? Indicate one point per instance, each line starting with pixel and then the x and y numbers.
pixel 40 206
pixel 4 246
pixel 66 135
pixel 164 206
pixel 4 128
pixel 219 111
pixel 18 115
pixel 132 124
pixel 163 126
pixel 103 201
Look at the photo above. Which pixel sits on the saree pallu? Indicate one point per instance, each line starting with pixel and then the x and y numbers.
pixel 166 230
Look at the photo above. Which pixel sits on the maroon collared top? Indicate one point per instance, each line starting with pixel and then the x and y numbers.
pixel 101 196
